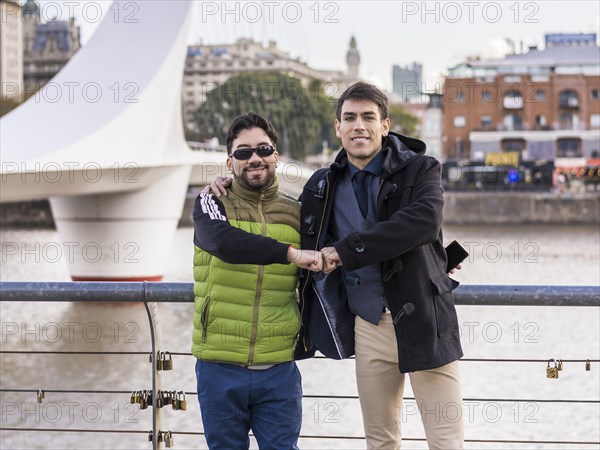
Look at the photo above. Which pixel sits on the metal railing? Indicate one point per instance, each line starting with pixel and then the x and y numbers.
pixel 151 293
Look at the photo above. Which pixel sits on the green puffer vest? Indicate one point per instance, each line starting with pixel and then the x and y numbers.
pixel 248 314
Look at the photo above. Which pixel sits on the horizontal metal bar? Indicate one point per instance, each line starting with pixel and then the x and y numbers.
pixel 302 436
pixel 306 396
pixel 492 295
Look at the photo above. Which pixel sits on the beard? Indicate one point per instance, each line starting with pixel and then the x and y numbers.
pixel 256 181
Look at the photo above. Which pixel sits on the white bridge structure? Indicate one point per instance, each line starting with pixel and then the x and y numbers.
pixel 104 141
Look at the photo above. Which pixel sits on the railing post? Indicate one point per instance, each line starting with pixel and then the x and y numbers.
pixel 155 337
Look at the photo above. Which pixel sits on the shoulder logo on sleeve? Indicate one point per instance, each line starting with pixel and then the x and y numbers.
pixel 210 207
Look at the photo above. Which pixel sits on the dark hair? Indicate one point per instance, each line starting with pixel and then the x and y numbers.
pixel 363 91
pixel 247 121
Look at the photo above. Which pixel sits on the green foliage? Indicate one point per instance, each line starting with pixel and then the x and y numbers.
pixel 297 113
pixel 402 121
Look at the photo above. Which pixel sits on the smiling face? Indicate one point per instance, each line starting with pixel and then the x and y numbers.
pixel 255 173
pixel 361 130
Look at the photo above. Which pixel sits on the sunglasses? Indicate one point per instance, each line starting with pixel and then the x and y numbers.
pixel 263 151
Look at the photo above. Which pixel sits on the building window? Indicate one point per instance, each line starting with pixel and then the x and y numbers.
pixel 513 100
pixel 488 96
pixel 540 122
pixel 568 99
pixel 486 121
pixel 512 122
pixel 595 94
pixel 569 121
pixel 595 121
pixel 540 95
pixel 569 148
pixel 459 121
pixel 513 145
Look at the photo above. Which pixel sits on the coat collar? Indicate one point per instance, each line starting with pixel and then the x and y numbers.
pixel 397 150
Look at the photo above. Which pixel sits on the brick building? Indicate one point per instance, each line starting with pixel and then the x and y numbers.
pixel 543 104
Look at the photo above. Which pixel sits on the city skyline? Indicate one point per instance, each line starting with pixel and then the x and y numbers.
pixel 465 29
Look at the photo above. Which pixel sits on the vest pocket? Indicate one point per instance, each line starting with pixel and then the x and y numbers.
pixel 204 318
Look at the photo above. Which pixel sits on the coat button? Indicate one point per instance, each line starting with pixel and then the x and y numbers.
pixel 360 247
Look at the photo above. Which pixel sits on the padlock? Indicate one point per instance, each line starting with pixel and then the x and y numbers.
pixel 167 363
pixel 144 400
pixel 149 399
pixel 159 399
pixel 159 438
pixel 552 372
pixel 182 401
pixel 40 395
pixel 159 360
pixel 150 358
pixel 150 436
pixel 169 441
pixel 175 401
pixel 588 365
pixel 133 400
pixel 560 365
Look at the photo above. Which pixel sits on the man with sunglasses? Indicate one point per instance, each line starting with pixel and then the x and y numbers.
pixel 246 318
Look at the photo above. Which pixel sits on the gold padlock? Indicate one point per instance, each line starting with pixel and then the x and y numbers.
pixel 167 363
pixel 133 399
pixel 175 401
pixel 159 399
pixel 169 441
pixel 159 360
pixel 552 372
pixel 182 401
pixel 588 365
pixel 144 400
pixel 40 395
pixel 560 365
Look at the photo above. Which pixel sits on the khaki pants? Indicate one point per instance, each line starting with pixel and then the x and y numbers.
pixel 381 387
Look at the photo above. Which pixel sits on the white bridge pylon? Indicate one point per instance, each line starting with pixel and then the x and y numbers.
pixel 104 140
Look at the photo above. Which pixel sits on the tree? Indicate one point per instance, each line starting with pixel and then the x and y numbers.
pixel 294 110
pixel 402 121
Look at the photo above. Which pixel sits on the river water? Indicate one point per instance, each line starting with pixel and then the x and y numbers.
pixel 544 255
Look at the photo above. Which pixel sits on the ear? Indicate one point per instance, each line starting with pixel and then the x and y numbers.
pixel 386 126
pixel 276 156
pixel 337 128
pixel 229 164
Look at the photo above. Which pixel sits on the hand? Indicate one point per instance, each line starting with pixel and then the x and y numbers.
pixel 218 186
pixel 306 259
pixel 456 268
pixel 331 259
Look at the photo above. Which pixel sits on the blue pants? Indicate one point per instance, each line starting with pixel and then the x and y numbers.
pixel 234 400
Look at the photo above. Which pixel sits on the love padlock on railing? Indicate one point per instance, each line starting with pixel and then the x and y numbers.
pixel 160 358
pixel 167 363
pixel 143 399
pixel 40 396
pixel 552 372
pixel 182 401
pixel 169 440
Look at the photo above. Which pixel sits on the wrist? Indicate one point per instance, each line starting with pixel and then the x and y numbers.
pixel 293 254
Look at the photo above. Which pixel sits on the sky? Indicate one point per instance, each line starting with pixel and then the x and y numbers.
pixel 436 34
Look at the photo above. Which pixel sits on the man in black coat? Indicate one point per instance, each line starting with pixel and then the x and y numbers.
pixel 376 216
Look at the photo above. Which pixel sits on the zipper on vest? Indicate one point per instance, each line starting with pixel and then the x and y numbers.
pixel 261 270
pixel 204 318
